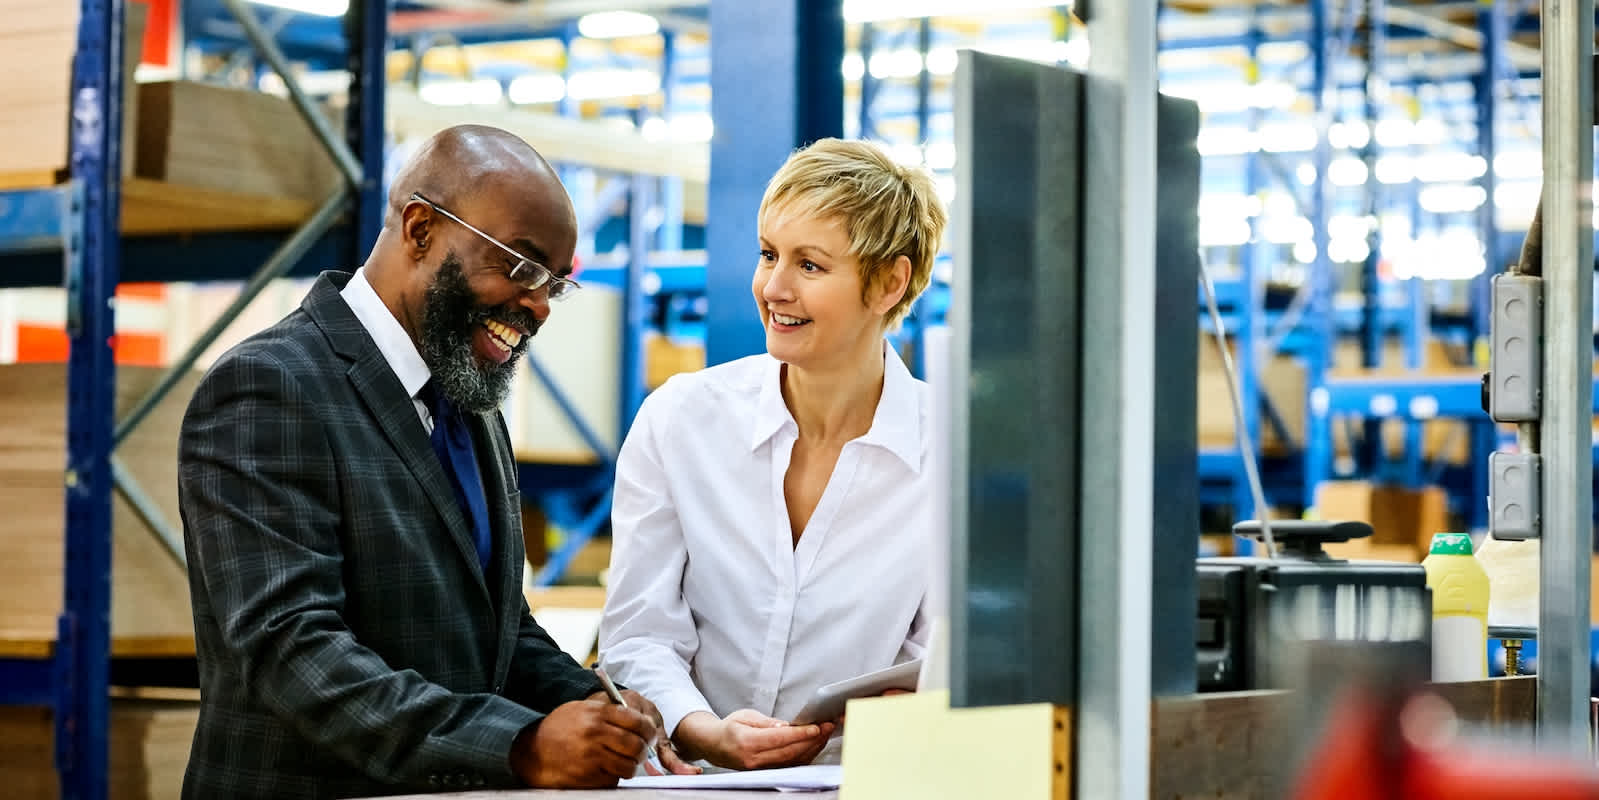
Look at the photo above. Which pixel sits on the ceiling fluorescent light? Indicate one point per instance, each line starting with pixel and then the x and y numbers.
pixel 604 83
pixel 481 92
pixel 854 68
pixel 533 89
pixel 903 63
pixel 320 8
pixel 692 127
pixel 617 24
pixel 856 11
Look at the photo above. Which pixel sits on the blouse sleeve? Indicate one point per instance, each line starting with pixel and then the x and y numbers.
pixel 647 635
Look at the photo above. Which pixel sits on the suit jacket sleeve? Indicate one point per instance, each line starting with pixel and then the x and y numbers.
pixel 261 504
pixel 542 675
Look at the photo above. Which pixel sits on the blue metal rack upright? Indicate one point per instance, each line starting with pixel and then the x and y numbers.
pixel 80 221
pixel 83 638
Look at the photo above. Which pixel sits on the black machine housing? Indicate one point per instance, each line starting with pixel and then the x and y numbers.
pixel 1255 611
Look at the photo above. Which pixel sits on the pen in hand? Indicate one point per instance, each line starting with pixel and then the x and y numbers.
pixel 616 697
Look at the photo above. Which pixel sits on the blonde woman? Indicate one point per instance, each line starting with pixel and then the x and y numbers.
pixel 771 514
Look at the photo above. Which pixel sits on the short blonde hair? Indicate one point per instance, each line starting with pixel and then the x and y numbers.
pixel 888 209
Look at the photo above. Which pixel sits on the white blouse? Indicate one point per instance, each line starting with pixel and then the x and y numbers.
pixel 711 606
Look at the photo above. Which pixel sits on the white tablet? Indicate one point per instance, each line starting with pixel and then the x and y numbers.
pixel 828 702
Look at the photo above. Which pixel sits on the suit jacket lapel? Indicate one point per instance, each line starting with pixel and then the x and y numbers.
pixel 390 407
pixel 496 463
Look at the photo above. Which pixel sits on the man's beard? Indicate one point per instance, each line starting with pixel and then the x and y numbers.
pixel 451 316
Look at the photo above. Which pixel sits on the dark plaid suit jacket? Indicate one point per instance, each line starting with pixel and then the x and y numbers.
pixel 348 642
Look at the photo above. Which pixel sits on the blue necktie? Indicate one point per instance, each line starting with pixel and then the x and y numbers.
pixel 452 441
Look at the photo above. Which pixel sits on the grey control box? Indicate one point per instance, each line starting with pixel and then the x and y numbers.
pixel 1515 486
pixel 1515 392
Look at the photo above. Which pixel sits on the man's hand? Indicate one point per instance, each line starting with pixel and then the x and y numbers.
pixel 582 745
pixel 663 745
pixel 748 739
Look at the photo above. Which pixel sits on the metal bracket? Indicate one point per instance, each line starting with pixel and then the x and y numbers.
pixel 1515 491
pixel 66 690
pixel 1515 383
pixel 72 253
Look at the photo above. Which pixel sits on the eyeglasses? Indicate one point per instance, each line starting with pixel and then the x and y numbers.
pixel 526 273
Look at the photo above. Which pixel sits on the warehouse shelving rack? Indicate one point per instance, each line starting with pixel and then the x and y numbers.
pixel 78 225
pixel 1292 476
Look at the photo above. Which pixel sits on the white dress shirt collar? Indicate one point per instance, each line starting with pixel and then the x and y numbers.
pixel 392 340
pixel 892 430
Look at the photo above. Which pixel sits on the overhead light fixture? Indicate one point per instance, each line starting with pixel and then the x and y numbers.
pixel 616 24
pixel 902 63
pixel 320 8
pixel 853 67
pixel 607 83
pixel 694 126
pixel 481 92
pixel 528 90
pixel 856 11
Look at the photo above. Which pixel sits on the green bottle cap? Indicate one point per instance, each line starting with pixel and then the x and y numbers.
pixel 1450 544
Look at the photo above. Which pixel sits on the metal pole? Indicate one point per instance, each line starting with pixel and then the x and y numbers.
pixel 633 300
pixel 1567 443
pixel 313 116
pixel 1318 434
pixel 669 237
pixel 1113 723
pixel 366 26
pixel 93 265
pixel 1372 333
pixel 1482 434
pixel 287 255
pixel 1251 311
pixel 865 129
pixel 146 508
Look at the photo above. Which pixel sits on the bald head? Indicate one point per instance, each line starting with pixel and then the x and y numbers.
pixel 473 163
pixel 491 179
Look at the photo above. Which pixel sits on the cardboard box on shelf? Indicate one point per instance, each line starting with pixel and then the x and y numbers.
pixel 1593 593
pixel 215 137
pixel 1447 440
pixel 1436 356
pixel 38 40
pixel 149 748
pixel 1282 378
pixel 664 358
pixel 150 591
pixel 1399 517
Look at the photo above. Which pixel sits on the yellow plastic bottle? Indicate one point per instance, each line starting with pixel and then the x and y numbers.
pixel 1459 609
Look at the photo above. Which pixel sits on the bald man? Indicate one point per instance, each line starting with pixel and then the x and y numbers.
pixel 351 516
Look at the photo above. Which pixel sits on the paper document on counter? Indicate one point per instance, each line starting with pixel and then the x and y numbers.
pixel 575 630
pixel 812 778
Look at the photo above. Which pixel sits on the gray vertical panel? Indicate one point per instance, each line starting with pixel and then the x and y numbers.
pixel 1567 443
pixel 1118 300
pixel 1014 319
pixel 1176 500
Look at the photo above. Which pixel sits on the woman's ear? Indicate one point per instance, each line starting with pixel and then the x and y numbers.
pixel 890 285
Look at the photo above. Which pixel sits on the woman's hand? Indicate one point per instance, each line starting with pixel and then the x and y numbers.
pixel 748 739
